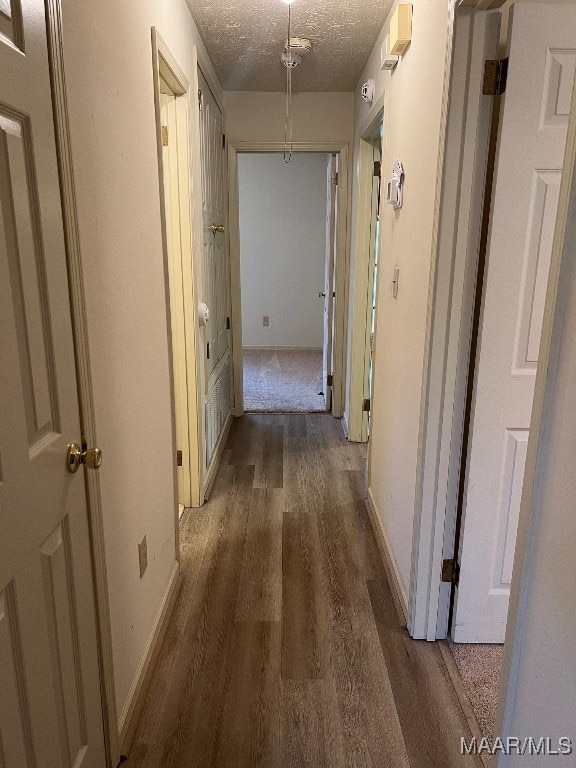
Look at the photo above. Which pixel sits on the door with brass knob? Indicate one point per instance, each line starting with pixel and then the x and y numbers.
pixel 51 698
pixel 75 457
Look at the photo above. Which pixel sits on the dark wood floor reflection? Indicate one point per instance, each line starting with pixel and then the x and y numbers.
pixel 284 650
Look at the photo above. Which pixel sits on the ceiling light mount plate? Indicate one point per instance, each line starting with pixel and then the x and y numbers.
pixel 300 45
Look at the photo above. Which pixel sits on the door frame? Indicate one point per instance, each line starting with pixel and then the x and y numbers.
pixel 458 245
pixel 83 375
pixel 166 66
pixel 357 425
pixel 341 266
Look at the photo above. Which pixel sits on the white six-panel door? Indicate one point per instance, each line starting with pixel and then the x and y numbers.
pixel 50 711
pixel 533 127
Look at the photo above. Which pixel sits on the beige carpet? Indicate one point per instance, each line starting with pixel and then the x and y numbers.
pixel 283 381
pixel 479 666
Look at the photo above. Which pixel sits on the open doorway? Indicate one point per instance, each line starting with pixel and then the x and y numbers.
pixel 173 136
pixel 288 225
pixel 367 246
pixel 497 225
pixel 284 217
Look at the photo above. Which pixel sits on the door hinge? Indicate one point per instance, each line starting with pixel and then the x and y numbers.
pixel 207 350
pixel 329 380
pixel 335 178
pixel 495 76
pixel 164 135
pixel 200 100
pixel 178 458
pixel 227 323
pixel 366 404
pixel 223 141
pixel 377 168
pixel 451 571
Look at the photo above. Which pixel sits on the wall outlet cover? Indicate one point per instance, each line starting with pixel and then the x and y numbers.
pixel 266 321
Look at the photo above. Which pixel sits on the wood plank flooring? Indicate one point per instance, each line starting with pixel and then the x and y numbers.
pixel 284 650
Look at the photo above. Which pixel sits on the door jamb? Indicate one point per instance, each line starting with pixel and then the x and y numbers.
pixel 164 63
pixel 444 385
pixel 356 428
pixel 83 375
pixel 342 262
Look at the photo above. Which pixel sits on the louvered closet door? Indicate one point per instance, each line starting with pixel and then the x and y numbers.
pixel 50 711
pixel 215 273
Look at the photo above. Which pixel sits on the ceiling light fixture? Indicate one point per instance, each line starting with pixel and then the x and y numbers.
pixel 289 61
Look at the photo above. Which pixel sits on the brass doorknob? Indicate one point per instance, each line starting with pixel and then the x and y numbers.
pixel 322 295
pixel 75 456
pixel 217 228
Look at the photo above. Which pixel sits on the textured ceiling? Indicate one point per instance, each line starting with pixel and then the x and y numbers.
pixel 244 39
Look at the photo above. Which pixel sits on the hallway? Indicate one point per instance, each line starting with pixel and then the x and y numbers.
pixel 284 647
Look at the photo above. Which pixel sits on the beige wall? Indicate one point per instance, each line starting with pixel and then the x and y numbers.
pixel 252 116
pixel 108 60
pixel 414 102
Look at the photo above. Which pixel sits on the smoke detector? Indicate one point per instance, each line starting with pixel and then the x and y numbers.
pixel 368 90
pixel 290 60
pixel 299 45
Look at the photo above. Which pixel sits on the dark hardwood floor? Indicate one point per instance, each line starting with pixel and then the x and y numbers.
pixel 284 650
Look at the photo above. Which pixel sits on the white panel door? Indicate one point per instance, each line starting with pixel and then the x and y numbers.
pixel 532 139
pixel 215 270
pixel 331 229
pixel 50 711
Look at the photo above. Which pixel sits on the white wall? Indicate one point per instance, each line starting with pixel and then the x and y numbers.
pixel 412 125
pixel 282 248
pixel 253 116
pixel 108 61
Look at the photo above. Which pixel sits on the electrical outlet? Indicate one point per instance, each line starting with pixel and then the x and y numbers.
pixel 143 556
pixel 266 321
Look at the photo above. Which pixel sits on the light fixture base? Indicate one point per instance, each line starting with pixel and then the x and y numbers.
pixel 290 60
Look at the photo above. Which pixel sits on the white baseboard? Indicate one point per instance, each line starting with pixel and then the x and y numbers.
pixel 132 709
pixel 397 588
pixel 249 348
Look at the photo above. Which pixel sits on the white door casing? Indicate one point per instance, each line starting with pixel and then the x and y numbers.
pixel 331 244
pixel 175 256
pixel 531 145
pixel 215 273
pixel 50 707
pixel 372 290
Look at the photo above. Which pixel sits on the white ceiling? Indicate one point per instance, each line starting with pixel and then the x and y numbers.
pixel 244 39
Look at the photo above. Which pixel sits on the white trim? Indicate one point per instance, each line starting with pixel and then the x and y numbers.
pixel 164 64
pixel 137 694
pixel 342 261
pixel 344 422
pixel 431 479
pixel 388 560
pixel 363 267
pixel 83 373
